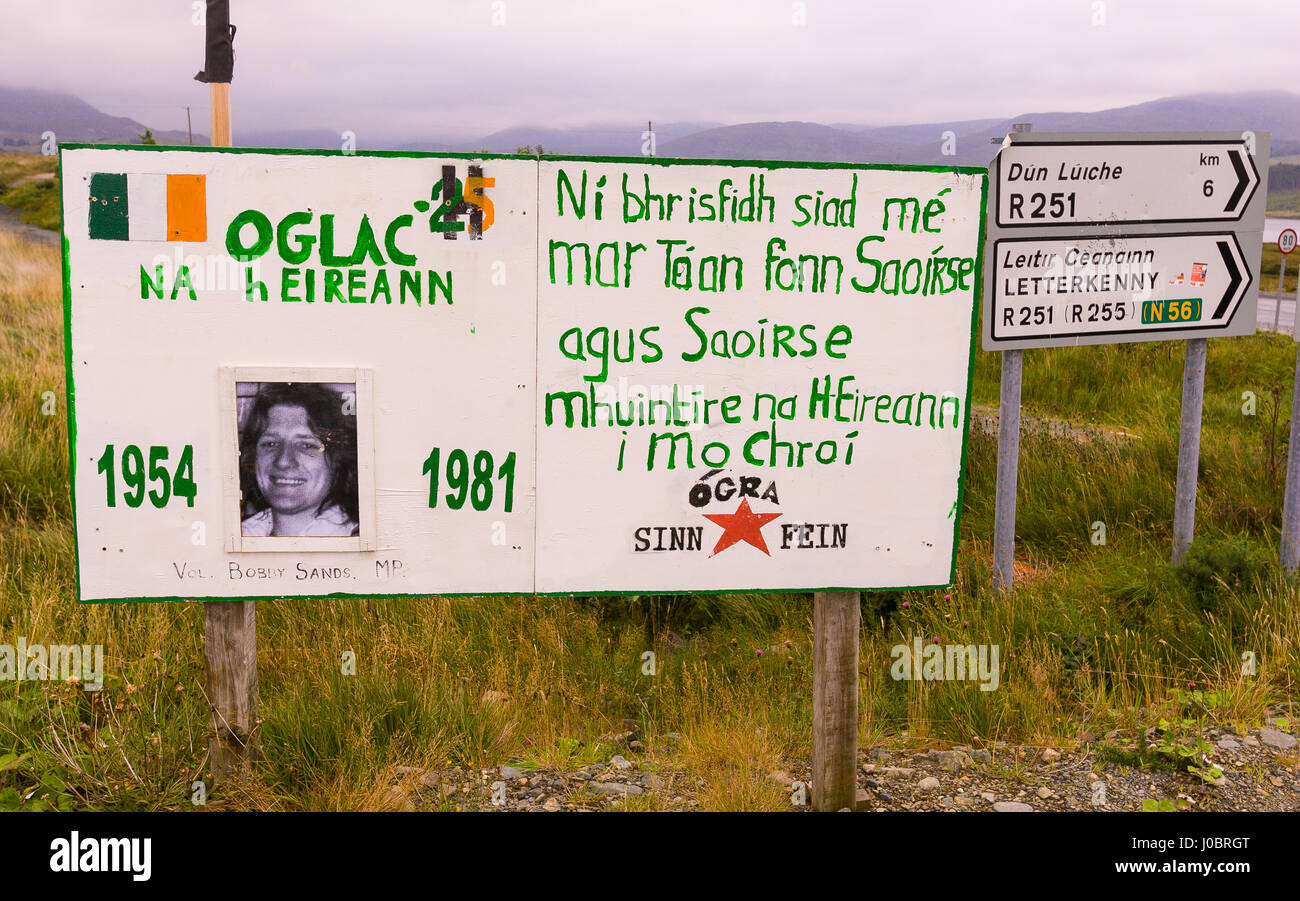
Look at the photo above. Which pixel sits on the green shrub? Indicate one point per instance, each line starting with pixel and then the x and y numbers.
pixel 1214 567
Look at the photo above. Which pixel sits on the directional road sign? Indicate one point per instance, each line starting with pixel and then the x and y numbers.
pixel 1106 238
pixel 1121 183
pixel 1117 285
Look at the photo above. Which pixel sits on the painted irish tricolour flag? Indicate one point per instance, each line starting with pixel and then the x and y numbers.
pixel 148 207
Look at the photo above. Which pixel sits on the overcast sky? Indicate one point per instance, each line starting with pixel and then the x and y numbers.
pixel 463 68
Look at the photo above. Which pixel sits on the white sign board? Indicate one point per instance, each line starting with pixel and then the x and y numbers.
pixel 1117 285
pixel 296 374
pixel 1124 182
pixel 1111 238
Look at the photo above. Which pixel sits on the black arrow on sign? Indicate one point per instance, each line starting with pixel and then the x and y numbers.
pixel 1243 180
pixel 1234 280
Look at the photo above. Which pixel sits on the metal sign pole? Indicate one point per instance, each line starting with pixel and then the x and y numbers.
pixel 1281 287
pixel 1004 516
pixel 1189 447
pixel 1004 502
pixel 1286 242
pixel 1290 552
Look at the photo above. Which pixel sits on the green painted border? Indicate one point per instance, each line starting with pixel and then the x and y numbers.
pixel 421 154
pixel 69 391
pixel 337 595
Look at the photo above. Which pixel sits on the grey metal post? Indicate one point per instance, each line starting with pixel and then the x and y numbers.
pixel 1189 447
pixel 1004 503
pixel 1290 553
pixel 1281 287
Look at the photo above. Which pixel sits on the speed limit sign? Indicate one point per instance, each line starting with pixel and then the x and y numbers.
pixel 1286 240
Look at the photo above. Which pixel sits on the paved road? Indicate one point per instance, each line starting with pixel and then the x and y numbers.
pixel 1268 308
pixel 11 221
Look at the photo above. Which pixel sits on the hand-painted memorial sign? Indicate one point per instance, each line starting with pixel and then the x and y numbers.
pixel 297 374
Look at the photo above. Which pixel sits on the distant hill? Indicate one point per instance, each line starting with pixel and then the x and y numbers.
pixel 597 139
pixel 317 138
pixel 1274 111
pixel 26 113
pixel 776 141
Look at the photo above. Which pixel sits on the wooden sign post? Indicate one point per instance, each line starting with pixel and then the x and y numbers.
pixel 229 627
pixel 230 645
pixel 837 622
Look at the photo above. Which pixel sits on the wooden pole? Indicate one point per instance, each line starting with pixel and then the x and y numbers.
pixel 230 643
pixel 230 627
pixel 219 98
pixel 837 620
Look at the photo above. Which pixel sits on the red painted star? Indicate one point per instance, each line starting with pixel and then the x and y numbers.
pixel 743 525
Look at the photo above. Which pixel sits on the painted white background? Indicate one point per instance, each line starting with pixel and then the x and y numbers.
pixel 896 496
pixel 474 375
pixel 146 372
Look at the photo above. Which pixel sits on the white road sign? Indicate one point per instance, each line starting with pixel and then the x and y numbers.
pixel 1118 285
pixel 1124 182
pixel 1106 238
pixel 1286 241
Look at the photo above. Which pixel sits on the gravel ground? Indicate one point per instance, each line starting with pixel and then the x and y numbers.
pixel 1260 766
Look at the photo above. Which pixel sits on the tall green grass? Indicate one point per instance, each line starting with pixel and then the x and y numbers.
pixel 37 198
pixel 1092 634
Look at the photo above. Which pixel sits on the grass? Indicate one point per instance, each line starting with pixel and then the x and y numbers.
pixel 1095 635
pixel 1270 268
pixel 14 166
pixel 38 199
pixel 1285 204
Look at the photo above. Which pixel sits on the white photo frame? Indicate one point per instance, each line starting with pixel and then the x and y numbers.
pixel 362 380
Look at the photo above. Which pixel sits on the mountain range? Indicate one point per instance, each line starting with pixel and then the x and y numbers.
pixel 25 114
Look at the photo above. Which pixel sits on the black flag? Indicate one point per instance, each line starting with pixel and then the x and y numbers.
pixel 219 58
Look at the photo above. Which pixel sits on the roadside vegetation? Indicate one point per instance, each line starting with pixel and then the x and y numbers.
pixel 1093 635
pixel 28 183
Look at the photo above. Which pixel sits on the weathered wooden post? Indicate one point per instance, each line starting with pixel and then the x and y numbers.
pixel 229 627
pixel 230 644
pixel 837 622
